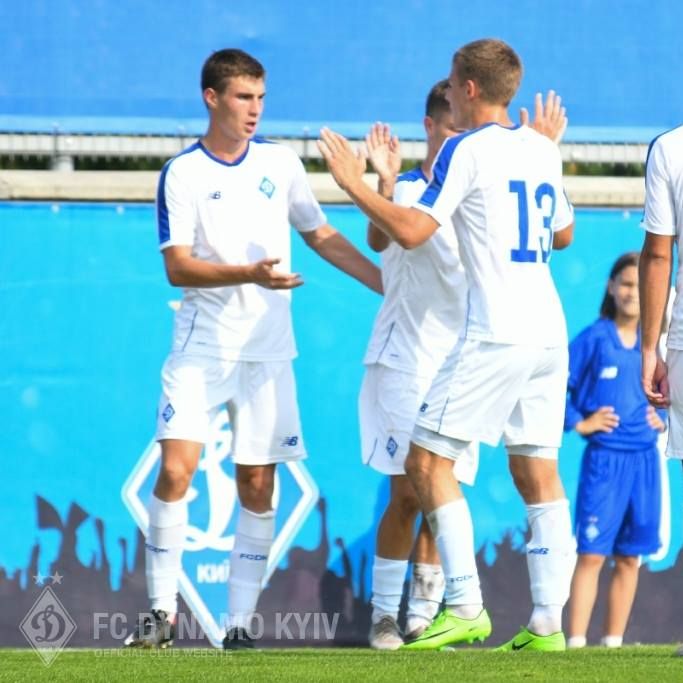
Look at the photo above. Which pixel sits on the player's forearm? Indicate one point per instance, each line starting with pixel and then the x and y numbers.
pixel 655 276
pixel 192 272
pixel 377 240
pixel 338 251
pixel 397 222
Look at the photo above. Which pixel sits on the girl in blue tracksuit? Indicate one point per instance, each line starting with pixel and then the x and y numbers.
pixel 618 500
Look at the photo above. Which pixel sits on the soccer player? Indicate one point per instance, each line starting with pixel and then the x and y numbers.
pixel 663 222
pixel 500 186
pixel 618 503
pixel 417 325
pixel 224 208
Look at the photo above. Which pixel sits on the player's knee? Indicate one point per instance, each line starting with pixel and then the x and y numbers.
pixel 590 561
pixel 175 478
pixel 418 467
pixel 406 504
pixel 535 484
pixel 255 489
pixel 626 562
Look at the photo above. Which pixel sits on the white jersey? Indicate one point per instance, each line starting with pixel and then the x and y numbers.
pixel 236 213
pixel 425 295
pixel 501 189
pixel 664 210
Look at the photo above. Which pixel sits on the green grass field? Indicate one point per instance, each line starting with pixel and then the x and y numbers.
pixel 654 664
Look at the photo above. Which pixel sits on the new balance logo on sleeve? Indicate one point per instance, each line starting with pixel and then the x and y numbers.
pixel 289 441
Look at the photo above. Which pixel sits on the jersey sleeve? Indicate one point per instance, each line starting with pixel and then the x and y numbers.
pixel 305 213
pixel 660 213
pixel 406 193
pixel 563 215
pixel 176 217
pixel 452 175
pixel 580 354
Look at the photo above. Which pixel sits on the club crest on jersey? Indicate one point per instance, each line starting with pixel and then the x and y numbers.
pixel 267 187
pixel 168 413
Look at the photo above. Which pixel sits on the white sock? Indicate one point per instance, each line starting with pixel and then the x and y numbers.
pixel 248 562
pixel 451 526
pixel 551 556
pixel 575 642
pixel 426 593
pixel 612 641
pixel 388 577
pixel 164 551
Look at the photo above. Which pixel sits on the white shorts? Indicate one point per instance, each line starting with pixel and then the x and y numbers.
pixel 260 398
pixel 388 404
pixel 674 363
pixel 486 391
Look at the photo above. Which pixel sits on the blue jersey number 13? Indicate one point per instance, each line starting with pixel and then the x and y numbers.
pixel 524 254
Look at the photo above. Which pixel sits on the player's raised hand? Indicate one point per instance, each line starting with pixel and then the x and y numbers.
pixel 265 275
pixel 655 380
pixel 602 420
pixel 346 165
pixel 384 151
pixel 550 119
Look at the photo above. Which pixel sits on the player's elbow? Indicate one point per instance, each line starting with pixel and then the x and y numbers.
pixel 410 240
pixel 175 275
pixel 563 238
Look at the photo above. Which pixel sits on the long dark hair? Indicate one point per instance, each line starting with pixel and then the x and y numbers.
pixel 608 308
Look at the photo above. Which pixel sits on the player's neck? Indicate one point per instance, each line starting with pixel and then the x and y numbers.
pixel 224 148
pixel 627 329
pixel 490 113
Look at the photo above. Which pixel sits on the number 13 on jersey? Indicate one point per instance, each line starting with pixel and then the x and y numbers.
pixel 544 198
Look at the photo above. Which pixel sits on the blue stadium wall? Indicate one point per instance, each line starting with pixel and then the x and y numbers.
pixel 85 324
pixel 616 62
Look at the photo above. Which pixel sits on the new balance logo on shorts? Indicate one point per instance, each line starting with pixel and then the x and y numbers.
pixel 168 413
pixel 423 408
pixel 249 556
pixel 289 441
pixel 215 195
pixel 267 187
pixel 539 551
pixel 392 446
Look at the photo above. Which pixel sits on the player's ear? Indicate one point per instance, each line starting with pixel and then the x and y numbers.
pixel 428 123
pixel 472 89
pixel 210 98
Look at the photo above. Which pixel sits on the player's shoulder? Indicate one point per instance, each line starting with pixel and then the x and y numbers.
pixel 668 144
pixel 274 150
pixel 185 158
pixel 594 333
pixel 414 175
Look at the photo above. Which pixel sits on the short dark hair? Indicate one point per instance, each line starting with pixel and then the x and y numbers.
pixel 608 308
pixel 437 102
pixel 493 65
pixel 223 65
